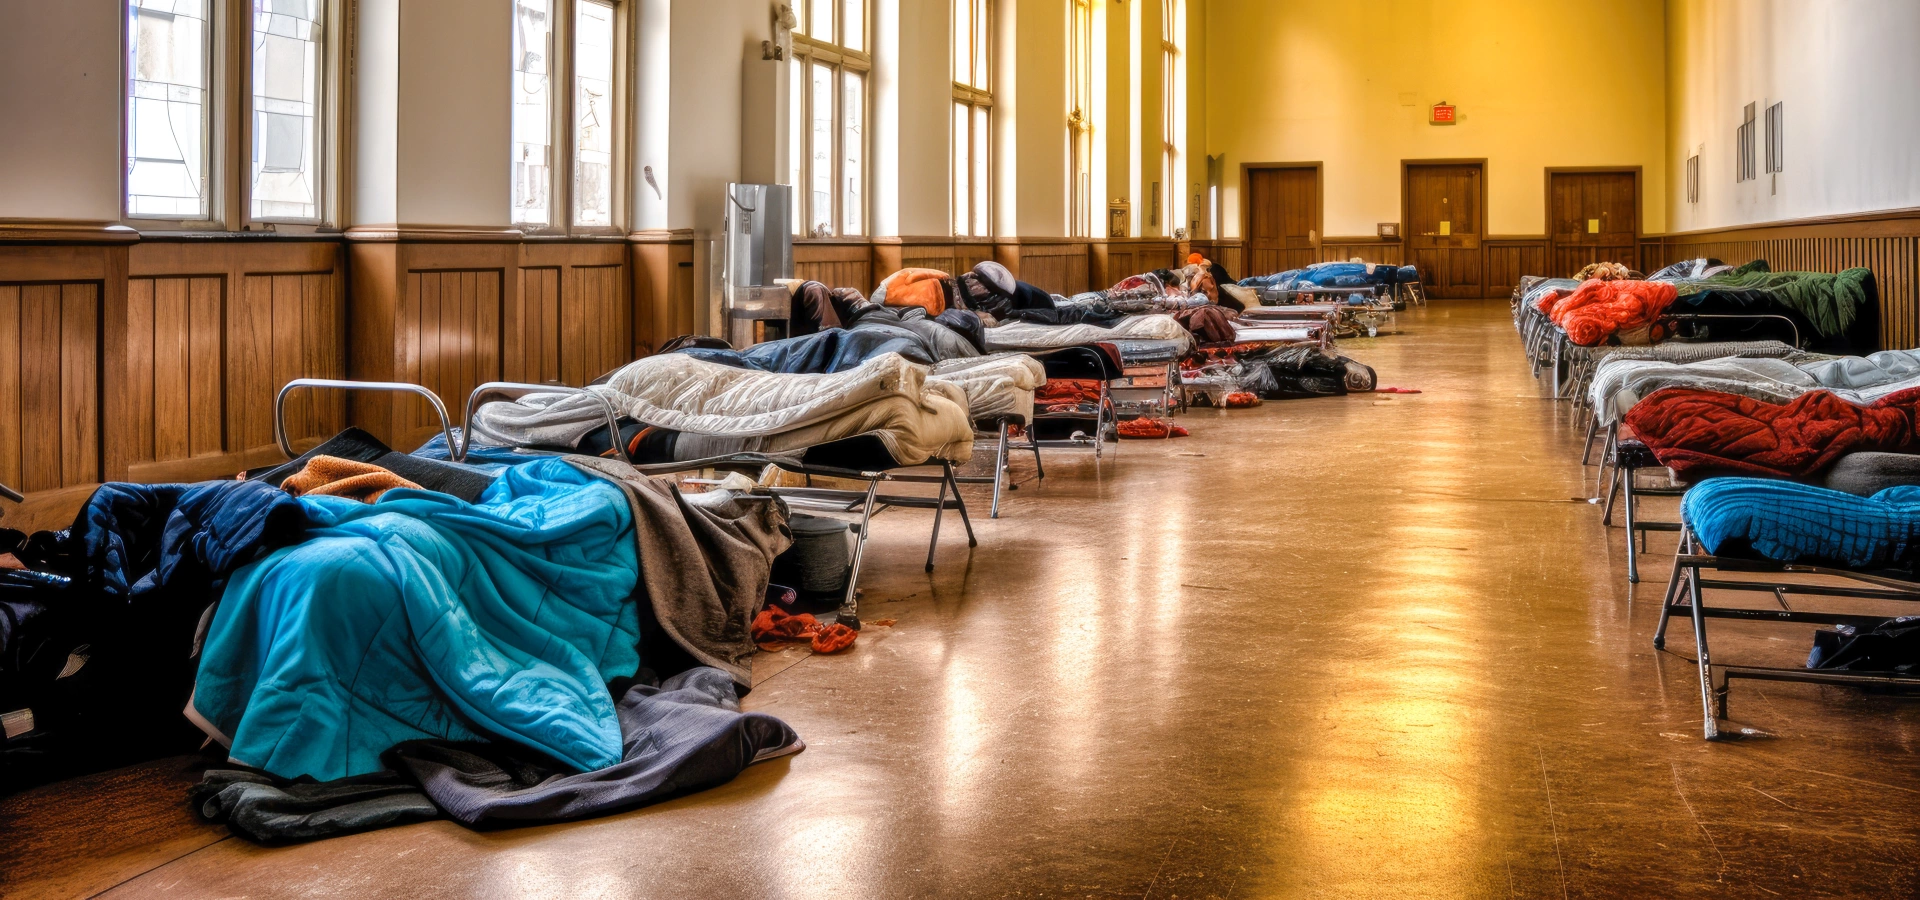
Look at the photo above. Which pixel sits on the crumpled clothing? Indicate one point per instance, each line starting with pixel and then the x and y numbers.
pixel 1209 324
pixel 1241 400
pixel 774 628
pixel 331 476
pixel 1068 391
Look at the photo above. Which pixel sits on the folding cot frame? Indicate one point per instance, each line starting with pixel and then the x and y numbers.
pixel 1692 576
pixel 867 502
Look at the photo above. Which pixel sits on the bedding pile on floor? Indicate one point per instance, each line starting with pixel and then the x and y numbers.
pixel 1701 433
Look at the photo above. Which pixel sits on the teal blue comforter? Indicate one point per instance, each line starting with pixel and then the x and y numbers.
pixel 422 616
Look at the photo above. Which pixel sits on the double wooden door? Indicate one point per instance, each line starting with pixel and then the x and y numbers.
pixel 1445 224
pixel 1592 217
pixel 1283 212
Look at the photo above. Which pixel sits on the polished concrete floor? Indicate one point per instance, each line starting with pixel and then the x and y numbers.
pixel 1369 646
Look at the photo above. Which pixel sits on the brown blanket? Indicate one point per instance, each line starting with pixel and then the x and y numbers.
pixel 1698 433
pixel 331 476
pixel 704 565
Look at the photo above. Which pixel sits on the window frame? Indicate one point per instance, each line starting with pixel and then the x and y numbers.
pixel 1081 127
pixel 1166 208
pixel 562 126
pixel 976 95
pixel 228 112
pixel 839 60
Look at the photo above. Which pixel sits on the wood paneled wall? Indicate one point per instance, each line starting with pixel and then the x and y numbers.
pixel 451 316
pixel 212 332
pixel 1888 243
pixel 664 306
pixel 49 385
pixel 1509 258
pixel 845 264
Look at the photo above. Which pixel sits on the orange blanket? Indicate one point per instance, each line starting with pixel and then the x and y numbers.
pixel 1598 310
pixel 331 476
pixel 925 288
pixel 1699 433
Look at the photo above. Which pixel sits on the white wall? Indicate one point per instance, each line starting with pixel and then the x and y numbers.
pixel 1849 73
pixel 455 113
pixel 925 77
pixel 1038 49
pixel 60 109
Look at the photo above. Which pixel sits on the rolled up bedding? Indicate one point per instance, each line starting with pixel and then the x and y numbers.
pixel 1620 383
pixel 1001 384
pixel 1028 336
pixel 731 409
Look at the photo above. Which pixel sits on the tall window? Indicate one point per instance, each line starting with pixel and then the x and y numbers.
pixel 972 115
pixel 532 112
pixel 167 167
pixel 1080 120
pixel 286 110
pixel 1172 87
pixel 828 117
pixel 565 142
pixel 177 126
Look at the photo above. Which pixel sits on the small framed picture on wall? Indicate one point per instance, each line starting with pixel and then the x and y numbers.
pixel 1117 219
pixel 1389 230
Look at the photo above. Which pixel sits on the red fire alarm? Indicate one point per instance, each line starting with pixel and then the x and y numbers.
pixel 1442 113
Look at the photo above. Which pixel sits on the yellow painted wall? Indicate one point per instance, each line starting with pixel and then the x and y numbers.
pixel 1348 83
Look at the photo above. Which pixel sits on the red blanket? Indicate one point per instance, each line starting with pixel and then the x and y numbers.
pixel 1596 310
pixel 1698 433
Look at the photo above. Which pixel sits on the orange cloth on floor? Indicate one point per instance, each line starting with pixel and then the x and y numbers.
pixel 331 476
pixel 1242 400
pixel 773 627
pixel 925 288
pixel 1149 427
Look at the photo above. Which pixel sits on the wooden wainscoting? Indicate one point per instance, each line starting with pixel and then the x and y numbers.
pixel 1230 253
pixel 61 308
pixel 452 315
pixel 1510 258
pixel 1058 267
pixel 1886 242
pixel 213 329
pixel 664 306
pixel 1132 256
pixel 837 263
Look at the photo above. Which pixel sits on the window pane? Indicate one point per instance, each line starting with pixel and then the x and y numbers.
pixel 799 16
pixel 853 21
pixel 852 147
pixel 286 97
pixel 593 114
pixel 797 140
pixel 980 26
pixel 166 110
pixel 962 41
pixel 821 28
pixel 532 112
pixel 962 169
pixel 820 205
pixel 981 181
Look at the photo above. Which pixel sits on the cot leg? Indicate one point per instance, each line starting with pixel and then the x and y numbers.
pixel 1035 444
pixel 999 470
pixel 1613 490
pixel 1586 447
pixel 849 614
pixel 1669 599
pixel 1708 703
pixel 1633 557
pixel 960 503
pixel 940 506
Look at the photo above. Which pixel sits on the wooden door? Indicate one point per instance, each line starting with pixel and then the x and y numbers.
pixel 1283 212
pixel 1446 221
pixel 1592 217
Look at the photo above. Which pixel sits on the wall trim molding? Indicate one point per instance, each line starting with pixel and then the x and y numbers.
pixel 31 231
pixel 1880 223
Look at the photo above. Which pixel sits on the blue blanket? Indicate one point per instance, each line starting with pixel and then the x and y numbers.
pixel 1792 522
pixel 422 616
pixel 1333 274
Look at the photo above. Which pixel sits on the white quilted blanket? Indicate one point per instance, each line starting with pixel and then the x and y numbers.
pixel 1029 336
pixel 917 417
pixel 998 385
